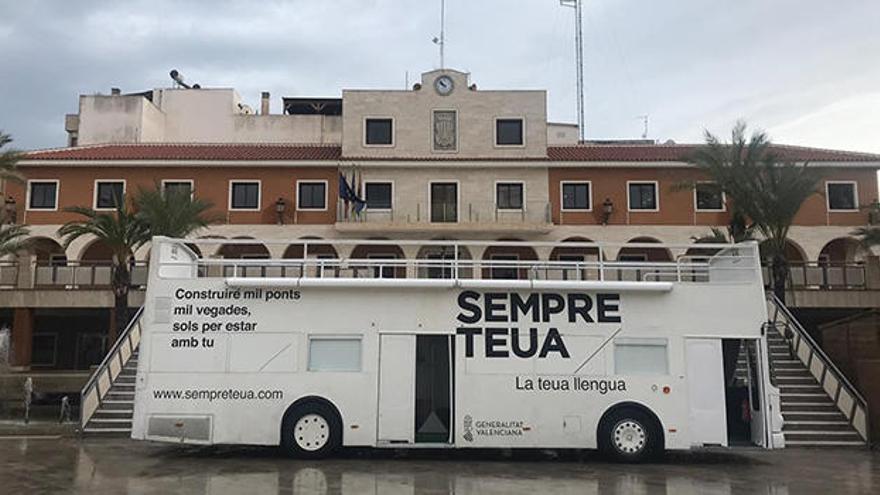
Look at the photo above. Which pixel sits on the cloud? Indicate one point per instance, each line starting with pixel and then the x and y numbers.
pixel 689 64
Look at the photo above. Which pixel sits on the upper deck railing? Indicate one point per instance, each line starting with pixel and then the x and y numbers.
pixel 483 260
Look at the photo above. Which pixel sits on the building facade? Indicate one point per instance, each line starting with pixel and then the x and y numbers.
pixel 443 160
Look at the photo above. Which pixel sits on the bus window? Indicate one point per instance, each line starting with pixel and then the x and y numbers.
pixel 634 356
pixel 335 354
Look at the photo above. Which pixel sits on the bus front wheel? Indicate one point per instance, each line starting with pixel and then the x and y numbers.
pixel 311 430
pixel 630 435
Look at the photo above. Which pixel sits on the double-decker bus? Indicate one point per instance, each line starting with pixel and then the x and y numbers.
pixel 317 352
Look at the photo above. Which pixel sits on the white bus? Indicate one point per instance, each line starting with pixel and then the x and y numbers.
pixel 453 350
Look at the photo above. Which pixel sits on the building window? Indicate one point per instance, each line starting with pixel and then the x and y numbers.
pixel 444 202
pixel 311 195
pixel 509 132
pixel 244 195
pixel 709 197
pixel 109 194
pixel 378 195
pixel 184 187
pixel 635 356
pixel 509 195
pixel 842 196
pixel 576 196
pixel 42 195
pixel 334 354
pixel 643 196
pixel 379 132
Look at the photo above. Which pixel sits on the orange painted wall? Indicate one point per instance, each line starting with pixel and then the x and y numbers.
pixel 677 206
pixel 211 184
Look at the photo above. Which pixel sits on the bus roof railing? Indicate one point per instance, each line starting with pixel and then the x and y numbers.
pixel 715 263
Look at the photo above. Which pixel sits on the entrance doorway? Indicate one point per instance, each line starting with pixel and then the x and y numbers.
pixel 416 384
pixel 736 391
pixel 434 379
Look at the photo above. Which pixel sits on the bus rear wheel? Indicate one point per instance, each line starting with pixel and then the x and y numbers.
pixel 629 435
pixel 312 430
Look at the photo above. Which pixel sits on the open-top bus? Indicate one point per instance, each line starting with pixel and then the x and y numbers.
pixel 313 353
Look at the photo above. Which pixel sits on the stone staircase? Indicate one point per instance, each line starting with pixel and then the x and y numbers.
pixel 812 419
pixel 113 416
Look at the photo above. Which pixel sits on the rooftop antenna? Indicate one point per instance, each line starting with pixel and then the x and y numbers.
pixel 441 41
pixel 579 60
pixel 645 122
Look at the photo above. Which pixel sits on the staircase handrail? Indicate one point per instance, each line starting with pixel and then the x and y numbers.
pixel 104 367
pixel 792 323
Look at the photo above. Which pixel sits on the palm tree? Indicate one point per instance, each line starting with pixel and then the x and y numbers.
pixel 8 160
pixel 869 236
pixel 13 238
pixel 739 229
pixel 128 228
pixel 123 232
pixel 172 213
pixel 764 188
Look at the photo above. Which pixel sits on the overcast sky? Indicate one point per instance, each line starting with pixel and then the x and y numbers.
pixel 807 71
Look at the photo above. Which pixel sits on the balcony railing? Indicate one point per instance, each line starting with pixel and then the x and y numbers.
pixel 819 275
pixel 475 212
pixel 84 275
pixel 8 274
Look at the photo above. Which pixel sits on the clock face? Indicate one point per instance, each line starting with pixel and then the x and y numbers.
pixel 444 85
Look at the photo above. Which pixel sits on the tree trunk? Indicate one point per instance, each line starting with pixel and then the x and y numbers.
pixel 121 284
pixel 780 276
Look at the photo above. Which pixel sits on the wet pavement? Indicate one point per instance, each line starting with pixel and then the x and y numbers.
pixel 95 466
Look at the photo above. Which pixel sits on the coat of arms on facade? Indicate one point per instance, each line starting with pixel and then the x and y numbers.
pixel 445 130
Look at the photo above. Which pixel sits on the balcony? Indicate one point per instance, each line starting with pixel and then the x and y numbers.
pixel 68 284
pixel 831 284
pixel 463 218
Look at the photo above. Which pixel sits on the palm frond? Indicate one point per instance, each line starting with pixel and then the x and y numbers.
pixel 13 238
pixel 765 191
pixel 172 213
pixel 121 230
pixel 8 160
pixel 869 236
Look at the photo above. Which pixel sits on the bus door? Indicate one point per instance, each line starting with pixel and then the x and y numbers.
pixel 706 402
pixel 415 389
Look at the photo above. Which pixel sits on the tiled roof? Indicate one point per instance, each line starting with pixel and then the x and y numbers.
pixel 218 152
pixel 325 152
pixel 680 152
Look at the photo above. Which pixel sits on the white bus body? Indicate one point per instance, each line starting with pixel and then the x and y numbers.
pixel 566 356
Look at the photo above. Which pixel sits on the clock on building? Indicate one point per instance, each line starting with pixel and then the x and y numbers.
pixel 444 85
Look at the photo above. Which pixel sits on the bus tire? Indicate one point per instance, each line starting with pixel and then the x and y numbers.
pixel 628 434
pixel 311 430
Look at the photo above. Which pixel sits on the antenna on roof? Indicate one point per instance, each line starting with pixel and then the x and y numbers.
pixel 441 41
pixel 579 60
pixel 644 119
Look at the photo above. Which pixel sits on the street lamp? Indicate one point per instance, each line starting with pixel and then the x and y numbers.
pixel 10 209
pixel 280 206
pixel 607 210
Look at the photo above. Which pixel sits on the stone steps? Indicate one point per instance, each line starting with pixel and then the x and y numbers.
pixel 811 419
pixel 114 415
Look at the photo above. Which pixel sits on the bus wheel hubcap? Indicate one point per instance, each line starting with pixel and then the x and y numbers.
pixel 629 437
pixel 311 432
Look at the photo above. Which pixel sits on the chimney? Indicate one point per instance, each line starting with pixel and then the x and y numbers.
pixel 115 91
pixel 264 103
